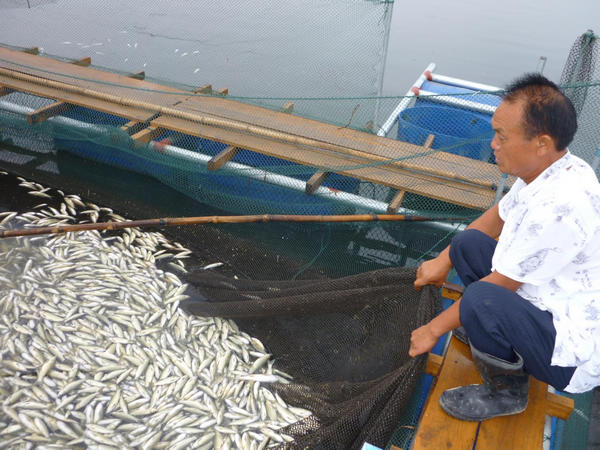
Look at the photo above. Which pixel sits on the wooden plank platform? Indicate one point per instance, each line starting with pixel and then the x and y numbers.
pixel 438 430
pixel 464 194
pixel 409 156
pixel 399 165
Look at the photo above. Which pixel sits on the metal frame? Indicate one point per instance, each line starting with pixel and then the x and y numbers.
pixel 416 91
pixel 463 83
pixel 457 102
pixel 389 123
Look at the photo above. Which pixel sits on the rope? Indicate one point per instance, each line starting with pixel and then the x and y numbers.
pixel 320 252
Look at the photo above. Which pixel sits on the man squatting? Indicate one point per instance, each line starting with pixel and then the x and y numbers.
pixel 530 264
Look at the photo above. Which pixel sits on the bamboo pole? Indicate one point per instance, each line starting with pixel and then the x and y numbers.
pixel 176 221
pixel 237 126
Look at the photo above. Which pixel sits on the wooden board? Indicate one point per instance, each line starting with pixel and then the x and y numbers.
pixel 412 156
pixel 147 134
pixel 399 165
pixel 133 127
pixel 216 162
pixel 438 430
pixel 315 182
pixel 5 91
pixel 127 112
pixel 46 112
pixel 87 61
pixel 463 194
pixel 394 205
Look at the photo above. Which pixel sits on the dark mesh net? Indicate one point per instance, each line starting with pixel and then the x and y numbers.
pixel 345 342
pixel 579 68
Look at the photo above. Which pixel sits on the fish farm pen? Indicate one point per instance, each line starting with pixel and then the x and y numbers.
pixel 248 335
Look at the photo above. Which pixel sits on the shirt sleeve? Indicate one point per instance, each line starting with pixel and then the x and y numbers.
pixel 542 244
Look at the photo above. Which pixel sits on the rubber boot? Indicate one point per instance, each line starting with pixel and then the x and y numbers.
pixel 461 334
pixel 505 390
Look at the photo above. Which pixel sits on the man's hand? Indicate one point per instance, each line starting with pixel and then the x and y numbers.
pixel 424 338
pixel 422 341
pixel 434 271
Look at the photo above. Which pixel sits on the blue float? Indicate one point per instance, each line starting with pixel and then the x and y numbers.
pixel 455 131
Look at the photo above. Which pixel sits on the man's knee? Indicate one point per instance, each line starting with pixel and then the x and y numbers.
pixel 483 317
pixel 478 301
pixel 464 243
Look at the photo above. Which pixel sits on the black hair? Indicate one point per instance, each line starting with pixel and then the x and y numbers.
pixel 547 110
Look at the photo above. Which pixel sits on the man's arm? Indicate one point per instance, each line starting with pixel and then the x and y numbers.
pixel 501 280
pixel 424 338
pixel 435 271
pixel 489 223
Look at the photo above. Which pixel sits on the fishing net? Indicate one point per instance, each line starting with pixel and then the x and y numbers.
pixel 579 82
pixel 579 68
pixel 345 342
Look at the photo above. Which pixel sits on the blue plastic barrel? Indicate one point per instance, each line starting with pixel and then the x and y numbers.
pixel 456 131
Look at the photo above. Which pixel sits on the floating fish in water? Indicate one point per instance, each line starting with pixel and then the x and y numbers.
pixel 263 378
pixel 212 266
pixel 39 194
pixel 99 354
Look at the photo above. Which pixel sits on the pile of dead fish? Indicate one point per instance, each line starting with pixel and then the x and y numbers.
pixel 95 353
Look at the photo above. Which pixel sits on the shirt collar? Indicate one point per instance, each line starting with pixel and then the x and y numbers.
pixel 551 171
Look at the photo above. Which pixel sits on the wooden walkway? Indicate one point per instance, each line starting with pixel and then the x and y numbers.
pixel 525 431
pixel 152 108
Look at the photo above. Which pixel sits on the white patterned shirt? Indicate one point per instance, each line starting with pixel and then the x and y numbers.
pixel 550 242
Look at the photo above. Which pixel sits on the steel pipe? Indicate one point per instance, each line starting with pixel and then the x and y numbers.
pixel 463 83
pixel 389 123
pixel 457 102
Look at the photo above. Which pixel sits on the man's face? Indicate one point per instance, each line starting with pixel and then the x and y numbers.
pixel 515 154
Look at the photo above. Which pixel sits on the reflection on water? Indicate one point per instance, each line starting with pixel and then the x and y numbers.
pixel 266 48
pixel 28 4
pixel 488 41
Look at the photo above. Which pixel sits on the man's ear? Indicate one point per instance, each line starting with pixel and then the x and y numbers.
pixel 545 144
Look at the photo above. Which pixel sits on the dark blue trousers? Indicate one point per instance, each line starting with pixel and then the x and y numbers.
pixel 497 320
